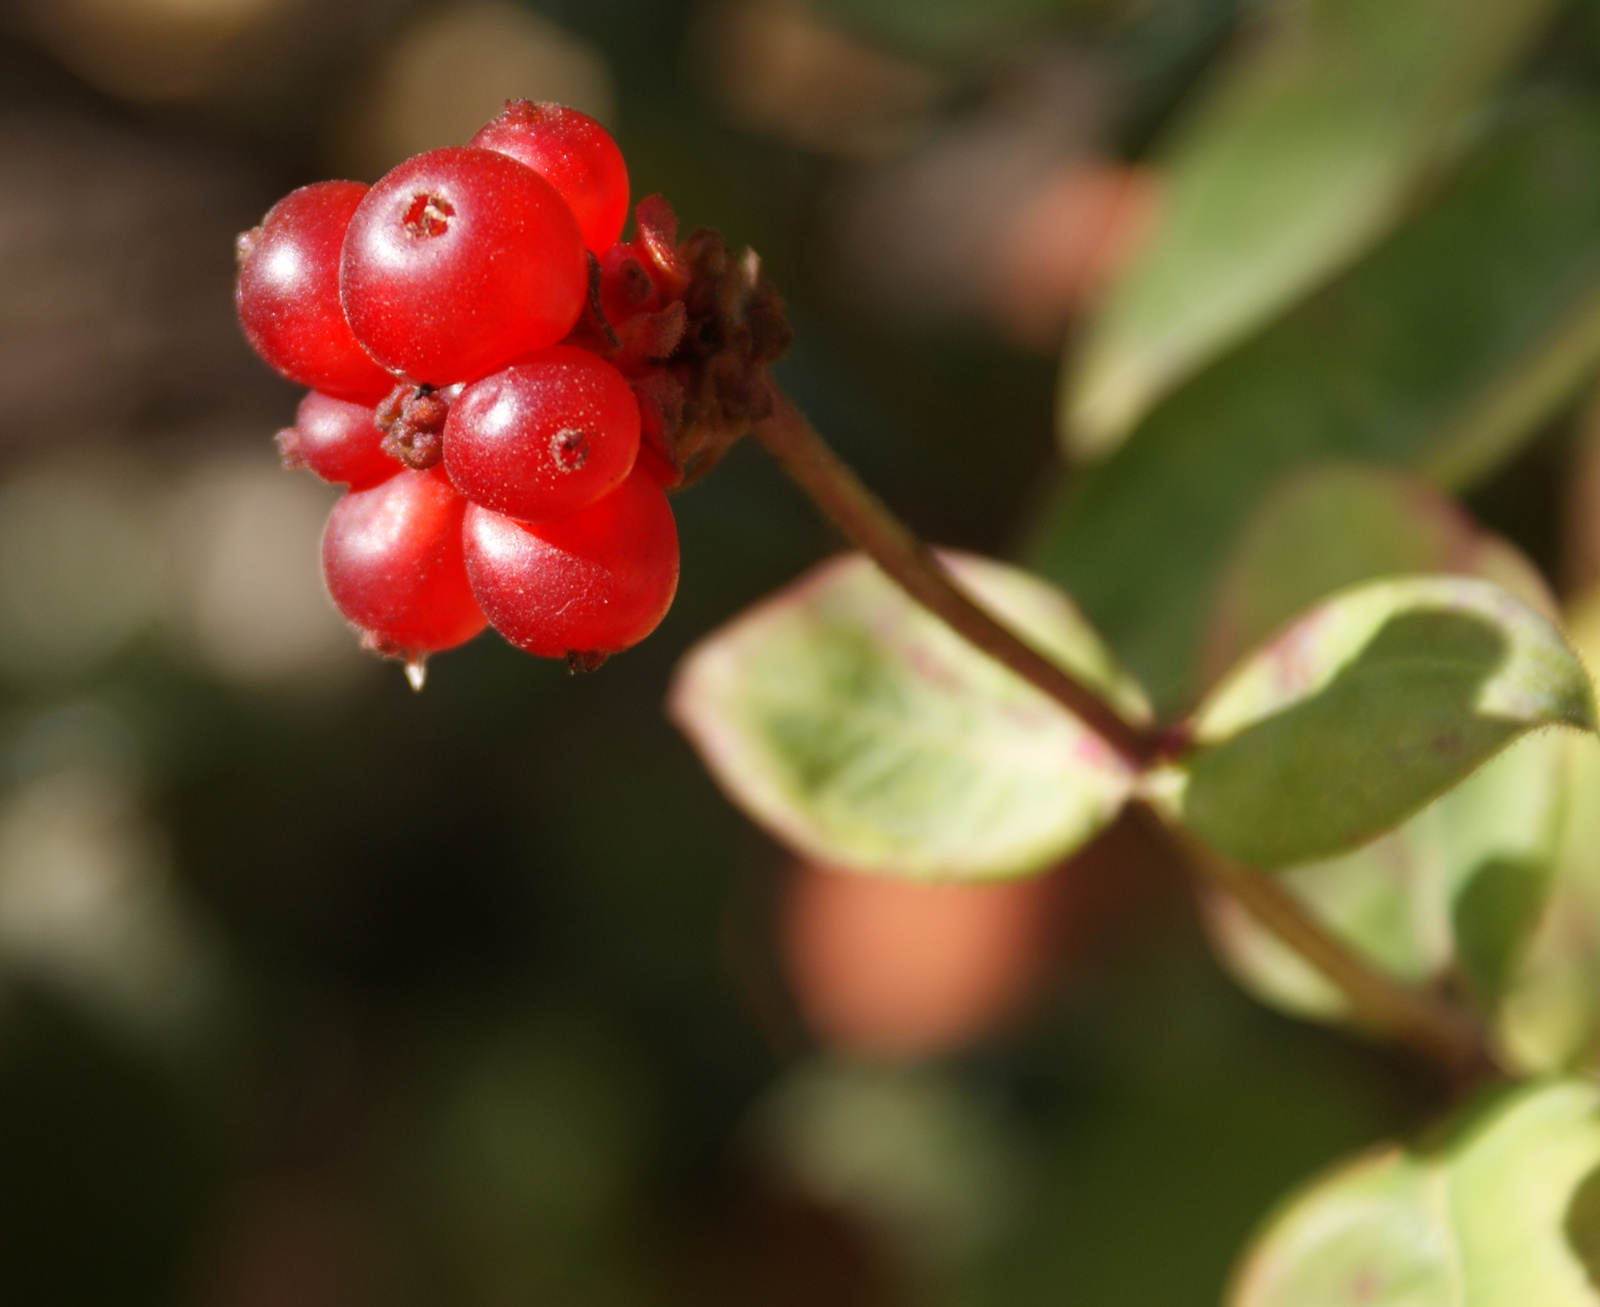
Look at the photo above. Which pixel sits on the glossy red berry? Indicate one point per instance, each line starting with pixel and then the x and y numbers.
pixel 288 293
pixel 545 437
pixel 593 583
pixel 458 261
pixel 393 562
pixel 337 440
pixel 574 154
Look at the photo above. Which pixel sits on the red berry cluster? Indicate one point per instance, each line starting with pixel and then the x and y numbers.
pixel 506 388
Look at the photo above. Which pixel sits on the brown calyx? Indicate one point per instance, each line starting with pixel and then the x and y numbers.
pixel 698 362
pixel 412 419
pixel 736 331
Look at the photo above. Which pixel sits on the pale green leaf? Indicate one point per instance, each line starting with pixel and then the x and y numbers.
pixel 863 732
pixel 1330 526
pixel 1452 895
pixel 1550 1018
pixel 1500 1212
pixel 1303 152
pixel 1366 709
pixel 1439 352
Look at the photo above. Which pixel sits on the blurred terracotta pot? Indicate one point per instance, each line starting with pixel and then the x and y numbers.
pixel 898 969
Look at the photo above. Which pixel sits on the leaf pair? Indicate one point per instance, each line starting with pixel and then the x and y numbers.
pixel 867 735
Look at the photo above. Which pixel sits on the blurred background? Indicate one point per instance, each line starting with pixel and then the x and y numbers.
pixel 315 992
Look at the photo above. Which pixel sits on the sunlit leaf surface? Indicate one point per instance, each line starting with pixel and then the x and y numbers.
pixel 863 732
pixel 1503 1211
pixel 1367 708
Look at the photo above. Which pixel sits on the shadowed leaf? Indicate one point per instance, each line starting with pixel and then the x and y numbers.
pixel 1303 153
pixel 1451 895
pixel 1407 361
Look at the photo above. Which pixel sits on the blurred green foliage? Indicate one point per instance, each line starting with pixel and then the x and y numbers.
pixel 1442 352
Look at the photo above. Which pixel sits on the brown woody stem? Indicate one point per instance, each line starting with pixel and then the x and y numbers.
pixel 869 525
pixel 1426 1023
pixel 1421 1021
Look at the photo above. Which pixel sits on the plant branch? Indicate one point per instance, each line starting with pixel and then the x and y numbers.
pixel 869 525
pixel 1422 1021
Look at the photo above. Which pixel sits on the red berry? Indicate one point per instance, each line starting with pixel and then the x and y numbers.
pixel 545 437
pixel 337 440
pixel 288 293
pixel 574 154
pixel 593 583
pixel 392 559
pixel 459 261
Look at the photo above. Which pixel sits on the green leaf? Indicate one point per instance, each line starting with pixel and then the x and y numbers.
pixel 1550 1018
pixel 1454 894
pixel 1501 1212
pixel 863 732
pixel 1439 352
pixel 1367 708
pixel 1303 153
pixel 1330 526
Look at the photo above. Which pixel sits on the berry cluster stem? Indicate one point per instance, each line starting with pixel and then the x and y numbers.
pixel 868 524
pixel 1413 1018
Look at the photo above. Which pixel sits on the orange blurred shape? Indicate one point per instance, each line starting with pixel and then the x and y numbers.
pixel 898 969
pixel 1066 242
